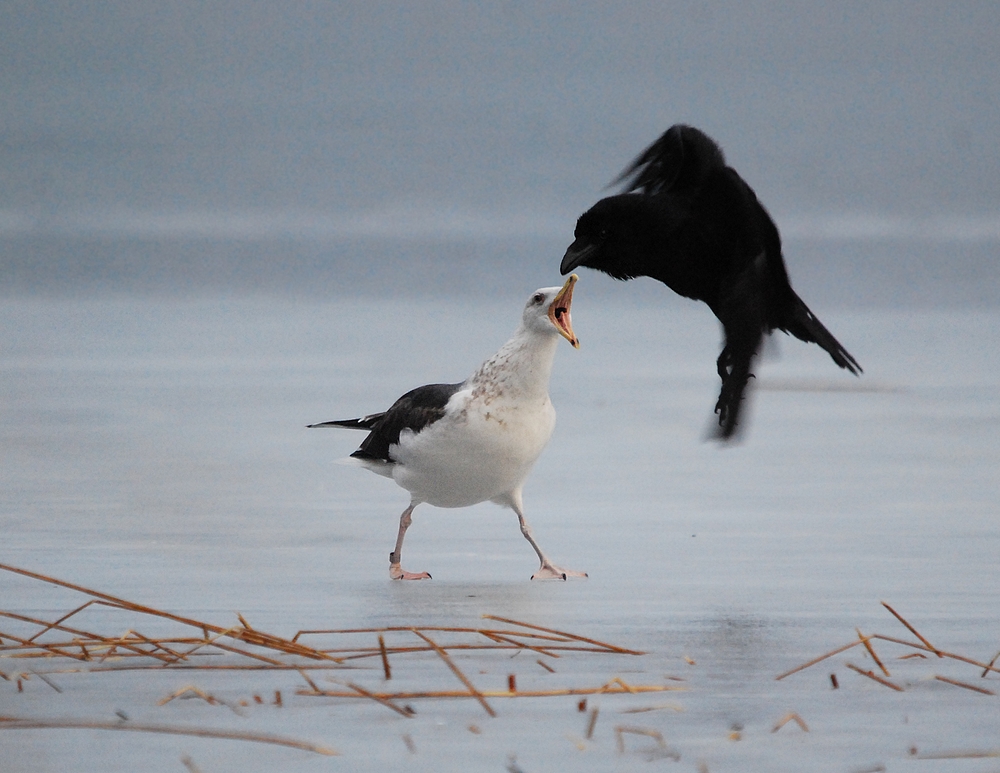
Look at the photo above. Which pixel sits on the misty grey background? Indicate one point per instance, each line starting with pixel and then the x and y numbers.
pixel 203 208
pixel 438 147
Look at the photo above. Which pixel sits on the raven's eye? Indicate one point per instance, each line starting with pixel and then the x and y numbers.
pixel 537 298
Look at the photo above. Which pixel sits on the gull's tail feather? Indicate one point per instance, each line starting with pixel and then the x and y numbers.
pixel 366 422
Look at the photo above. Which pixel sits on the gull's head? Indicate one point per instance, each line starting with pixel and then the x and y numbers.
pixel 548 310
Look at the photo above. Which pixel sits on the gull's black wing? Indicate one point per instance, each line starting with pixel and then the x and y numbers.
pixel 417 409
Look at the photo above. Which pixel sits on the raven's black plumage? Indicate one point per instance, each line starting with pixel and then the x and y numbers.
pixel 685 218
pixel 415 410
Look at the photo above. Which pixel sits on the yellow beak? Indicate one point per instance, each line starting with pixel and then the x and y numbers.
pixel 559 311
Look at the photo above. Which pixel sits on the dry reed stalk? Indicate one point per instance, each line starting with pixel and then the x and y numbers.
pixel 603 690
pixel 556 639
pixel 966 685
pixel 458 672
pixel 407 628
pixel 309 681
pixel 66 629
pixel 913 630
pixel 374 652
pixel 189 763
pixel 269 640
pixel 196 667
pixel 592 722
pixel 358 653
pixel 244 653
pixel 520 645
pixel 208 641
pixel 940 653
pixel 990 666
pixel 190 691
pixel 15 723
pixel 248 634
pixel 52 649
pixel 956 755
pixel 603 645
pixel 62 619
pixel 875 677
pixel 620 682
pixel 871 651
pixel 791 716
pixel 621 730
pixel 378 699
pixel 234 633
pixel 385 658
pixel 545 665
pixel 158 644
pixel 47 681
pixel 814 661
pixel 183 690
pixel 658 707
pixel 114 600
pixel 576 740
pixel 114 646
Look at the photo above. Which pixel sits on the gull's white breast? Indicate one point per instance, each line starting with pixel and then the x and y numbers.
pixel 482 449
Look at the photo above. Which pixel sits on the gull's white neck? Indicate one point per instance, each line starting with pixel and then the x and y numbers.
pixel 521 368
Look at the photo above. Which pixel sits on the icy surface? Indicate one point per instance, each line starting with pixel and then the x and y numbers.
pixel 156 450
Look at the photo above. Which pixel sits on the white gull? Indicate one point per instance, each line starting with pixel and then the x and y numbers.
pixel 455 445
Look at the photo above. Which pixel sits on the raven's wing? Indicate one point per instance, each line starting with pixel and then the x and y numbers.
pixel 677 162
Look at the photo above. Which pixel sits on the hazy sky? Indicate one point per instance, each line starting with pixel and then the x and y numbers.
pixel 882 106
pixel 492 118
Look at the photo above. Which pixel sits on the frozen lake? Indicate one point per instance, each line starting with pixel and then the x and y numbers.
pixel 156 450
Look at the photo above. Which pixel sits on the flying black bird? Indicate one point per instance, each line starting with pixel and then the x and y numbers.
pixel 687 219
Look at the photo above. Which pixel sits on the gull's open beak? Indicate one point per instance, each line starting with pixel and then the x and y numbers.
pixel 559 311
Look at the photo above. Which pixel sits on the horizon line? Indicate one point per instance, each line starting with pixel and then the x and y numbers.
pixel 449 223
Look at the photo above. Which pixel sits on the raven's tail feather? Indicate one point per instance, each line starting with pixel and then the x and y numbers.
pixel 805 326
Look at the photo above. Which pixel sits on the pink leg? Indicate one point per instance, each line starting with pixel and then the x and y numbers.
pixel 396 572
pixel 547 570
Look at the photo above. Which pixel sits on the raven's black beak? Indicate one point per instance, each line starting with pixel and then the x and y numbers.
pixel 575 256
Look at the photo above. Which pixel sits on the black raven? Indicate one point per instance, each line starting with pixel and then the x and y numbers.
pixel 687 219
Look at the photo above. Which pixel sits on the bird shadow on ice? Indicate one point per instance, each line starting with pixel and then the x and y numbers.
pixel 458 601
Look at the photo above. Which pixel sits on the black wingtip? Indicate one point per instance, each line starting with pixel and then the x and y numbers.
pixel 366 422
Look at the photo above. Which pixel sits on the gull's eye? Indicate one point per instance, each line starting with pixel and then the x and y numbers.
pixel 537 298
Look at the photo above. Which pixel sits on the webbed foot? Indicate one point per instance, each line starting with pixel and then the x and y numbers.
pixel 396 572
pixel 549 571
